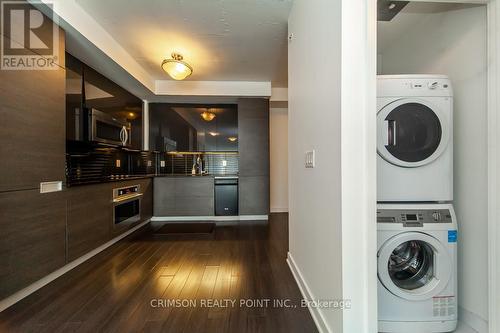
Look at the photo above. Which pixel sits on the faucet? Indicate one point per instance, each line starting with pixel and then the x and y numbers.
pixel 197 166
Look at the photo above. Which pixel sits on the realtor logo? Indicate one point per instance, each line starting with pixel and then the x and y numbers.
pixel 29 40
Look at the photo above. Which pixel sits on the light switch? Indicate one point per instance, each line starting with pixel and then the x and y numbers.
pixel 310 160
pixel 162 164
pixel 118 163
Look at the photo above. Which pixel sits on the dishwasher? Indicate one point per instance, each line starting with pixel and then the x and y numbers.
pixel 226 196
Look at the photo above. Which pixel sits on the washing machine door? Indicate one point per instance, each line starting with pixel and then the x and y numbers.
pixel 411 132
pixel 414 266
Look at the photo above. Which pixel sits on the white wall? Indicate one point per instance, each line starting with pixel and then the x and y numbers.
pixel 314 123
pixel 332 206
pixel 453 42
pixel 278 132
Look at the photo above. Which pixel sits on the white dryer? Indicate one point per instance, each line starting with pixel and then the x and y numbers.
pixel 414 138
pixel 417 268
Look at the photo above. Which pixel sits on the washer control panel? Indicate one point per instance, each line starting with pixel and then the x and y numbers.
pixel 413 218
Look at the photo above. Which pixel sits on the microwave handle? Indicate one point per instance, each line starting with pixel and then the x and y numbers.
pixel 125 135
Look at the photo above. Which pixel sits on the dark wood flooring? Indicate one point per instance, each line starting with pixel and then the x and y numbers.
pixel 126 287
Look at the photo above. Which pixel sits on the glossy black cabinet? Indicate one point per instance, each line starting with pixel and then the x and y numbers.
pixel 86 90
pixel 184 127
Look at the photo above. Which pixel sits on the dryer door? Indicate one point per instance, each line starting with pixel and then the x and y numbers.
pixel 414 266
pixel 411 132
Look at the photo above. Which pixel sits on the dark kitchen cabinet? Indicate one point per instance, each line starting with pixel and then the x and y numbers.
pixel 184 196
pixel 253 130
pixel 33 241
pixel 90 217
pixel 88 89
pixel 32 109
pixel 90 214
pixel 182 127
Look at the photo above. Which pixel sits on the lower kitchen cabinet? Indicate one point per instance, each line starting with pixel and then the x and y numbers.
pixel 254 195
pixel 90 214
pixel 184 196
pixel 33 241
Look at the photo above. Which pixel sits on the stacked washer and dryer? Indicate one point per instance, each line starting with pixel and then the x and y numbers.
pixel 417 226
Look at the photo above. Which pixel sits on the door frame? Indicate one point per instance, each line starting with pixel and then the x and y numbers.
pixel 493 26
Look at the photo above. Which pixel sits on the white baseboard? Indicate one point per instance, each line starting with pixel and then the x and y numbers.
pixel 279 209
pixel 14 298
pixel 318 318
pixel 209 218
pixel 473 320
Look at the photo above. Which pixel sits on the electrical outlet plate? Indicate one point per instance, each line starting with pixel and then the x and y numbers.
pixel 310 159
pixel 162 164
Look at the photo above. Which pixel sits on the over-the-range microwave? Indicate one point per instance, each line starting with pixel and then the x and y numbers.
pixel 97 126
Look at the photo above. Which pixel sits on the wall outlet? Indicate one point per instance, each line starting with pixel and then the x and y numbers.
pixel 310 161
pixel 150 163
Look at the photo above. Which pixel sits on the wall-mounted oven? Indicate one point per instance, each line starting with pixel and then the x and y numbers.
pixel 108 129
pixel 126 205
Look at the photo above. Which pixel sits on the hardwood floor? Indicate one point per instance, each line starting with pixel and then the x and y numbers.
pixel 127 287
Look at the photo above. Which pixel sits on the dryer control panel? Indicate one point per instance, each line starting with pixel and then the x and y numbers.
pixel 413 218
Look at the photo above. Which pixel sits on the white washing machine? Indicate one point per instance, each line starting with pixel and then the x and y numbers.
pixel 417 268
pixel 414 138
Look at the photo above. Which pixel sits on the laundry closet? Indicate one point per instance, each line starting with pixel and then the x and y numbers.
pixel 434 40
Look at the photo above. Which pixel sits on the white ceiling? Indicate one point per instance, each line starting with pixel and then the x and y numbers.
pixel 224 40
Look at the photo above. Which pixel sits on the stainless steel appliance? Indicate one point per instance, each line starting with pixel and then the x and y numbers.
pixel 226 196
pixel 108 129
pixel 126 205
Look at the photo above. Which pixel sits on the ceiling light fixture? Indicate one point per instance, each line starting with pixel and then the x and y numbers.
pixel 232 138
pixel 213 133
pixel 207 116
pixel 176 68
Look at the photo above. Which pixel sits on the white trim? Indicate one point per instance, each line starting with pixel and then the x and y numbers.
pixel 358 164
pixel 213 88
pixel 279 209
pixel 11 300
pixel 473 321
pixel 209 218
pixel 493 12
pixel 318 318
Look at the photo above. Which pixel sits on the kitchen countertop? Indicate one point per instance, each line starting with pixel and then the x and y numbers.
pixel 135 177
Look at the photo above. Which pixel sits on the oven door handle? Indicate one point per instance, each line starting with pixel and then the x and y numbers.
pixel 127 198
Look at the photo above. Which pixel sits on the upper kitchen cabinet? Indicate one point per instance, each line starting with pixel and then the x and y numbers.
pixel 193 127
pixel 88 90
pixel 32 112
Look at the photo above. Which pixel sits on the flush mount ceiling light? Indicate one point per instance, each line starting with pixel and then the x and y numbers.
pixel 232 138
pixel 213 133
pixel 176 68
pixel 207 116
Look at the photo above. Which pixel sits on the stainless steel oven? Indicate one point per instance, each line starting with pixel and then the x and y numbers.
pixel 126 205
pixel 108 129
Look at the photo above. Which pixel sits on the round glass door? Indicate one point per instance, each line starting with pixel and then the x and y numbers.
pixel 414 266
pixel 411 133
pixel 411 265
